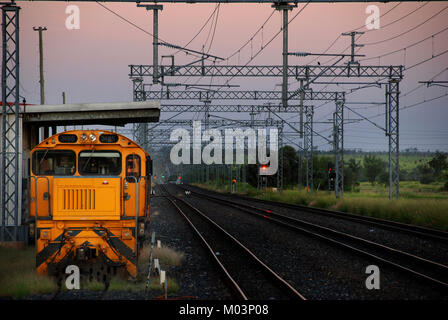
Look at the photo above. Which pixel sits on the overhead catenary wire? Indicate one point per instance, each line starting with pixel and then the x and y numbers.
pixel 214 18
pixel 405 48
pixel 407 31
pixel 355 29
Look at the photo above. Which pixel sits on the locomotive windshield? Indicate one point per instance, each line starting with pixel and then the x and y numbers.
pixel 54 162
pixel 100 162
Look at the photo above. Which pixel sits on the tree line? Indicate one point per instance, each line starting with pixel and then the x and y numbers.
pixel 370 168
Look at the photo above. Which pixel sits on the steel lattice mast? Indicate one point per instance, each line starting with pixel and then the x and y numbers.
pixel 10 152
pixel 11 177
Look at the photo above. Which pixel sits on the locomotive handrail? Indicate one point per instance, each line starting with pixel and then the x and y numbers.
pixel 137 193
pixel 137 202
pixel 36 198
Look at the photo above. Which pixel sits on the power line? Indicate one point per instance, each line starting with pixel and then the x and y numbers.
pixel 372 30
pixel 250 39
pixel 202 28
pixel 407 47
pixel 421 62
pixel 340 35
pixel 407 31
pixel 212 26
pixel 272 39
pixel 159 39
pixel 126 20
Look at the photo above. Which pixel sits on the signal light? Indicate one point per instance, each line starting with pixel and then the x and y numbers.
pixel 264 167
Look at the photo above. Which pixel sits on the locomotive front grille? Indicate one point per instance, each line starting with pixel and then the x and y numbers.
pixel 90 198
pixel 78 199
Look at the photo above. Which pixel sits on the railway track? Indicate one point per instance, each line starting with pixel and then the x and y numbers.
pixel 421 232
pixel 247 276
pixel 425 270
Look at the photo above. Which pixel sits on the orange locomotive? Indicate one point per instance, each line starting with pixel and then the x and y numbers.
pixel 90 200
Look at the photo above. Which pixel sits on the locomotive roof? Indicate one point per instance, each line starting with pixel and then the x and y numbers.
pixel 53 140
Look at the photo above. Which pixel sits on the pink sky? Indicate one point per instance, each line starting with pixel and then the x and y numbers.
pixel 91 64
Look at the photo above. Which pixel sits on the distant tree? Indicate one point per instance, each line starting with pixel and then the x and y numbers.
pixel 350 180
pixel 384 178
pixel 355 167
pixel 290 165
pixel 373 167
pixel 438 163
pixel 426 174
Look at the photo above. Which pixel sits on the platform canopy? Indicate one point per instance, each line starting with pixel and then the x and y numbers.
pixel 116 114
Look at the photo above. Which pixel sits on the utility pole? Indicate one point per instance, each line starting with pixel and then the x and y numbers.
pixel 302 94
pixel 45 130
pixel 353 44
pixel 308 148
pixel 207 117
pixel 11 173
pixel 285 7
pixel 155 39
pixel 63 102
pixel 338 147
pixel 392 132
pixel 280 158
pixel 299 174
pixel 41 64
pixel 155 62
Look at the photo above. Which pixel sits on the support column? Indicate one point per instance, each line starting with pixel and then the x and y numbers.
pixel 302 97
pixel 45 132
pixel 155 39
pixel 308 147
pixel 392 132
pixel 338 147
pixel 11 156
pixel 280 159
pixel 138 94
pixel 284 7
pixel 143 127
pixel 299 168
pixel 155 43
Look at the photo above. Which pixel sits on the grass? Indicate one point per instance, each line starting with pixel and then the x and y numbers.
pixel 423 205
pixel 408 162
pixel 167 258
pixel 18 277
pixel 408 190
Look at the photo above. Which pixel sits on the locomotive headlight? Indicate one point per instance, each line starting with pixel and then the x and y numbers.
pixel 45 235
pixel 83 137
pixel 92 137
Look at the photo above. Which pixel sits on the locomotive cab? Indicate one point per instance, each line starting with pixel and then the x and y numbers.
pixel 89 197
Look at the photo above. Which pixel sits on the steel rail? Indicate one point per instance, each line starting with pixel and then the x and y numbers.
pixel 432 234
pixel 329 235
pixel 237 291
pixel 285 286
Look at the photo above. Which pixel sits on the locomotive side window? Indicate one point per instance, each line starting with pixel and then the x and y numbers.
pixel 54 162
pixel 99 162
pixel 133 167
